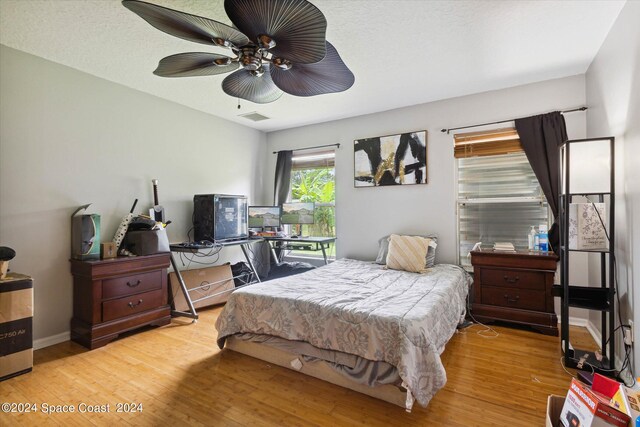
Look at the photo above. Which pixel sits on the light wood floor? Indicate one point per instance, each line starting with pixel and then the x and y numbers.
pixel 180 377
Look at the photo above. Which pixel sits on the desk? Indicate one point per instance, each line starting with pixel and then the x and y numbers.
pixel 179 247
pixel 322 242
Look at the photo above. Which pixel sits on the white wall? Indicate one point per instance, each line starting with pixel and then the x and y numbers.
pixel 363 215
pixel 613 96
pixel 68 138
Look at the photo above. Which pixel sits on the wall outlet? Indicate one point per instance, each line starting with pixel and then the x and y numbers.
pixel 632 330
pixel 628 333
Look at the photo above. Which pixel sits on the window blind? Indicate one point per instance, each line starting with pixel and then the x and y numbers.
pixel 314 159
pixel 501 176
pixel 499 199
pixel 486 143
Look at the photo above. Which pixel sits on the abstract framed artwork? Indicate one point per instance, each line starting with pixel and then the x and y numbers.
pixel 391 160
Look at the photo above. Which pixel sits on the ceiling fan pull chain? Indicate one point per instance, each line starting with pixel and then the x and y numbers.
pixel 238 103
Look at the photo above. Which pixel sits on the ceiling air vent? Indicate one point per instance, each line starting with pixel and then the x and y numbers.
pixel 256 117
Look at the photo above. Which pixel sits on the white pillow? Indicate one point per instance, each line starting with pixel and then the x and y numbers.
pixel 407 253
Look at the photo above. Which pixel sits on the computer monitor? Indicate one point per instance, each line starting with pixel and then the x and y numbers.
pixel 297 213
pixel 264 216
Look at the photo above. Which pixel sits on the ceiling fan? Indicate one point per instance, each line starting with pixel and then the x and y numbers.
pixel 278 46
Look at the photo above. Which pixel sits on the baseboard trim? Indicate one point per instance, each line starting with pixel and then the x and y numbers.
pixel 52 340
pixel 578 321
pixel 589 326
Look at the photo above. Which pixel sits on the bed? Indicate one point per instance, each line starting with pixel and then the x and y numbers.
pixel 353 323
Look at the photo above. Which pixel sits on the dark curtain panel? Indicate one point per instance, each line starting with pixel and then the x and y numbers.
pixel 282 183
pixel 540 137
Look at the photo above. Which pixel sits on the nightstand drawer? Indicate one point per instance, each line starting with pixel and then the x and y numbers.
pixel 129 285
pixel 133 304
pixel 512 278
pixel 524 299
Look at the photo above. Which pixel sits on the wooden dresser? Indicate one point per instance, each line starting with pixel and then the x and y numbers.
pixel 117 295
pixel 515 287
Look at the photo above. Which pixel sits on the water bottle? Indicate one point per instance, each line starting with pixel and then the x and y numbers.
pixel 543 238
pixel 532 238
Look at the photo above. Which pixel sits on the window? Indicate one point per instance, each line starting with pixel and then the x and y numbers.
pixel 498 195
pixel 313 180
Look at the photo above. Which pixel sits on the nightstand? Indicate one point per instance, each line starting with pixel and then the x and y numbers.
pixel 515 287
pixel 117 295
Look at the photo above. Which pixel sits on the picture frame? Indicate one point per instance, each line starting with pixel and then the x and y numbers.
pixel 399 159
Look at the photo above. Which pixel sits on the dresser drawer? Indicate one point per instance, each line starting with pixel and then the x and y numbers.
pixel 524 299
pixel 512 278
pixel 129 285
pixel 132 304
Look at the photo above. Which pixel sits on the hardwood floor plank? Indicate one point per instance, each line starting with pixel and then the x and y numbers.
pixel 181 377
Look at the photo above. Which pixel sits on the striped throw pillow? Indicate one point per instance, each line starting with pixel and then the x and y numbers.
pixel 407 253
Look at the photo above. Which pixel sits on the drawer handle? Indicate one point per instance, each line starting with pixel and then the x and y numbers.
pixel 511 299
pixel 132 305
pixel 510 280
pixel 133 285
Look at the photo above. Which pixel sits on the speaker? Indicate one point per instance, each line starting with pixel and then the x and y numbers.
pixel 85 235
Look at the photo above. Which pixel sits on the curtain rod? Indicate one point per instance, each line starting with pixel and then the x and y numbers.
pixel 504 121
pixel 312 148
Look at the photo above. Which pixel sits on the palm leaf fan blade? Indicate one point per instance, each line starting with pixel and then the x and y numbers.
pixel 327 76
pixel 243 84
pixel 297 26
pixel 184 25
pixel 194 64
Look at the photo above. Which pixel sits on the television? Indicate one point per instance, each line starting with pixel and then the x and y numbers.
pixel 264 216
pixel 297 213
pixel 219 217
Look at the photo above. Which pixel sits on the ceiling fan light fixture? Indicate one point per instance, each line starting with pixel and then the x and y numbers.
pixel 250 58
pixel 222 61
pixel 266 42
pixel 257 73
pixel 222 42
pixel 283 64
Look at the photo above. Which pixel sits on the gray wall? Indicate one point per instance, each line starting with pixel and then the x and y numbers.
pixel 613 95
pixel 68 138
pixel 363 215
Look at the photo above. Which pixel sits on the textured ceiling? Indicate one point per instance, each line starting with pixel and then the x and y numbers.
pixel 402 52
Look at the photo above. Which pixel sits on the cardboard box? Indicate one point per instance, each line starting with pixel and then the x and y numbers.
pixel 16 325
pixel 631 401
pixel 219 277
pixel 584 407
pixel 554 408
pixel 585 227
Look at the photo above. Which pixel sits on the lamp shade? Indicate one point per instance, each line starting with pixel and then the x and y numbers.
pixel 591 163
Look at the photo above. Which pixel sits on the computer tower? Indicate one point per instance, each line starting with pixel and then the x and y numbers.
pixel 219 217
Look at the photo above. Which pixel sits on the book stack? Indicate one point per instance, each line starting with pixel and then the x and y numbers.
pixel 504 246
